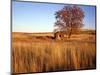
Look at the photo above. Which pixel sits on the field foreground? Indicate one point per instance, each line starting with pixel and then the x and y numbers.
pixel 32 52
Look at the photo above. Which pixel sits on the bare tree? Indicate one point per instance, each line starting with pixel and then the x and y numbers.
pixel 70 19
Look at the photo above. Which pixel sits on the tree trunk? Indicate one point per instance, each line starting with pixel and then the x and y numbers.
pixel 70 33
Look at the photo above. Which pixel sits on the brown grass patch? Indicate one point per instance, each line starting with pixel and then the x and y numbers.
pixel 44 54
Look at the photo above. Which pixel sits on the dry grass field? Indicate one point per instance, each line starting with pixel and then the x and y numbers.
pixel 40 52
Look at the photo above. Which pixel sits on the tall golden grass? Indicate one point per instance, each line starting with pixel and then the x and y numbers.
pixel 47 56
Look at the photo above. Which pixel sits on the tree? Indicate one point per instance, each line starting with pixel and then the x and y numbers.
pixel 69 19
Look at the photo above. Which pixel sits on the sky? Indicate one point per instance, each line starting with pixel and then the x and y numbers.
pixel 40 17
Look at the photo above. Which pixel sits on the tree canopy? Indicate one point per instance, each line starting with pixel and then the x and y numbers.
pixel 69 19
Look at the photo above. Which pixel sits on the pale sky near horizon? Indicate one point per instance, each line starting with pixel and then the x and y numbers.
pixel 39 17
